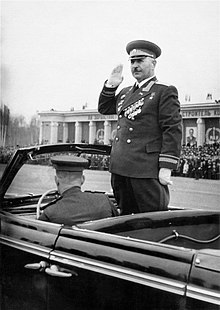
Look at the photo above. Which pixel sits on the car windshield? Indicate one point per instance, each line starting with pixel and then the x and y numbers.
pixel 2 168
pixel 37 176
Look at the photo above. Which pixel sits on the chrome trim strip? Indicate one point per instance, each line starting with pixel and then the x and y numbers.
pixel 131 239
pixel 25 246
pixel 203 294
pixel 157 282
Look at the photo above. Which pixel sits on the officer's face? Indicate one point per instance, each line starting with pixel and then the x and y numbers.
pixel 143 68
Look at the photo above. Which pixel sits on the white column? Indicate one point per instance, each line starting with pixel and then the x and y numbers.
pixel 40 133
pixel 107 132
pixel 53 132
pixel 200 131
pixel 65 132
pixel 78 132
pixel 182 134
pixel 92 132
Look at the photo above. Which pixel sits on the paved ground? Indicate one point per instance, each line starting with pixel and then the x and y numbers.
pixel 187 192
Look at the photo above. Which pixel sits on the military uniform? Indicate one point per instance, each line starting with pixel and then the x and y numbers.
pixel 148 138
pixel 76 206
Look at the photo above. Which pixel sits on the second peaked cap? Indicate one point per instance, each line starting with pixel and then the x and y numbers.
pixel 69 163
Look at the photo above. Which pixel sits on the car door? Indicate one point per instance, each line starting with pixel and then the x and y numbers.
pixel 25 248
pixel 104 271
pixel 203 289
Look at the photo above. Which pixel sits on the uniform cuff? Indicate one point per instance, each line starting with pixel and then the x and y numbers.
pixel 109 91
pixel 168 161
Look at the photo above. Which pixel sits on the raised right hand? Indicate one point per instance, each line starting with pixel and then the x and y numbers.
pixel 116 77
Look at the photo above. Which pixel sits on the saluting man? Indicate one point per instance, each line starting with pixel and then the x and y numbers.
pixel 147 144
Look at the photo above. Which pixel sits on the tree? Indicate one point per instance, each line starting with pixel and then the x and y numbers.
pixel 4 123
pixel 21 133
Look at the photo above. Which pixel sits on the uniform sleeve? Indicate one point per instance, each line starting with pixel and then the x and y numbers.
pixel 107 101
pixel 44 216
pixel 170 122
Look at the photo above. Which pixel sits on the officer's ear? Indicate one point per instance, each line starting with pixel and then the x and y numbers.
pixel 56 180
pixel 82 179
pixel 154 62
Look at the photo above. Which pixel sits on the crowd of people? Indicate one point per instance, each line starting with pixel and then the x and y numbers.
pixel 201 162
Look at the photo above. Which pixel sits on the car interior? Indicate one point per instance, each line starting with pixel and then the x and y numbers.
pixel 182 228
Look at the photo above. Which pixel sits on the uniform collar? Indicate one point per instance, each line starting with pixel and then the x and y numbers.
pixel 131 98
pixel 70 190
pixel 144 81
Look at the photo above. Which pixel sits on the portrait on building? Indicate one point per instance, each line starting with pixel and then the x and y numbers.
pixel 100 136
pixel 213 135
pixel 191 136
pixel 201 124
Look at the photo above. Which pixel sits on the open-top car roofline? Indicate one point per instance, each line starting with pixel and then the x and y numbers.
pixel 23 154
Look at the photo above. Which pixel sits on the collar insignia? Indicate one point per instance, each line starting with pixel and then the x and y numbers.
pixel 145 89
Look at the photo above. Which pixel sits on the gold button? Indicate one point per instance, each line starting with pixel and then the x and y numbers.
pixel 129 141
pixel 131 129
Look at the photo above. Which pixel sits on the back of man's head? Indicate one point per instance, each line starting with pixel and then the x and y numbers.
pixel 69 171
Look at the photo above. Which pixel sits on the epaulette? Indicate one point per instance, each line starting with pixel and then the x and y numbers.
pixel 162 83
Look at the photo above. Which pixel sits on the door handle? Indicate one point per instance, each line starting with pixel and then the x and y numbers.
pixel 56 271
pixel 36 266
pixel 52 270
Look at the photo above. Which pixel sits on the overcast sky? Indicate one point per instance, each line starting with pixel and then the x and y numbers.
pixel 57 54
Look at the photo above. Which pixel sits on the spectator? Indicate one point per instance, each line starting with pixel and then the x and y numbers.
pixel 185 168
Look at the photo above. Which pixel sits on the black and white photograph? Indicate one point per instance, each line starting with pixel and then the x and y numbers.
pixel 110 155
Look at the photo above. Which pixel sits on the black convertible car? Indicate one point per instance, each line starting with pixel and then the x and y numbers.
pixel 157 260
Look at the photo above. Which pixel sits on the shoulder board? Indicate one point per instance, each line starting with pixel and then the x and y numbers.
pixel 162 83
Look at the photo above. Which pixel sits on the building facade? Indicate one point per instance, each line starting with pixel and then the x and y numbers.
pixel 201 124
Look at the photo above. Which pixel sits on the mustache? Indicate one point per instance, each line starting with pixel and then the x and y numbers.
pixel 136 70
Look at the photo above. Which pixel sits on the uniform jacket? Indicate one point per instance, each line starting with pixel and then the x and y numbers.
pixel 149 128
pixel 76 206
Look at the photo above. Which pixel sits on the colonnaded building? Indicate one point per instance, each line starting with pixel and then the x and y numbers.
pixel 201 124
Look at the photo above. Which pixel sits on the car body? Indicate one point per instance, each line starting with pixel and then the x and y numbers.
pixel 156 260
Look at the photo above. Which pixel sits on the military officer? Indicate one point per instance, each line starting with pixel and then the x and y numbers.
pixel 75 206
pixel 147 144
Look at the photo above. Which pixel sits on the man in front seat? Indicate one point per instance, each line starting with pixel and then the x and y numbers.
pixel 75 206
